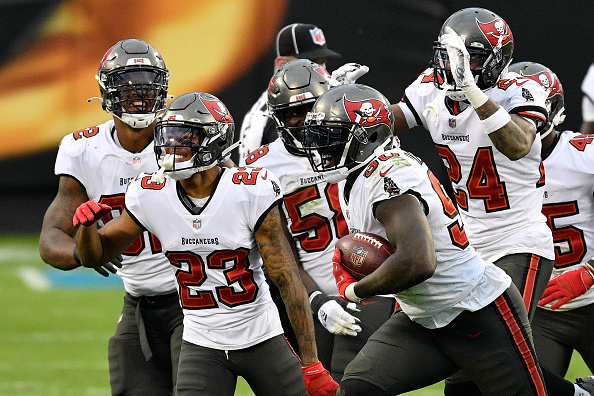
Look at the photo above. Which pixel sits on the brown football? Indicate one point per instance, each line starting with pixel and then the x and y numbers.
pixel 363 252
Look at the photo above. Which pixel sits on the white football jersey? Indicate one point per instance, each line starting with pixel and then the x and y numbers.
pixel 500 200
pixel 105 169
pixel 569 205
pixel 221 283
pixel 462 280
pixel 252 127
pixel 312 208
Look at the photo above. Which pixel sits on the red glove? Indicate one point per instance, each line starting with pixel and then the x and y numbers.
pixel 89 212
pixel 567 286
pixel 318 381
pixel 343 278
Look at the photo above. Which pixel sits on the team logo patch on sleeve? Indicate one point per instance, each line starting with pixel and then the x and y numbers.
pixel 275 188
pixel 391 188
pixel 527 95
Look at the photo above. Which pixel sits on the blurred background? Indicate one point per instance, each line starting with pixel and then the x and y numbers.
pixel 50 50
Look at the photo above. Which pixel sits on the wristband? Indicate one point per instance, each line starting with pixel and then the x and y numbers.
pixel 313 295
pixel 495 121
pixel 475 96
pixel 349 293
pixel 75 254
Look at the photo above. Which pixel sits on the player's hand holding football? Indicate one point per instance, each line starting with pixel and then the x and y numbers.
pixel 567 286
pixel 89 212
pixel 333 315
pixel 318 381
pixel 345 281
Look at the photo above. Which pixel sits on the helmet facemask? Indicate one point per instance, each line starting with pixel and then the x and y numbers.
pixel 135 95
pixel 336 149
pixel 489 42
pixel 290 127
pixel 191 148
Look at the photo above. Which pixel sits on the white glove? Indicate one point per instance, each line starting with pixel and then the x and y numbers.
pixel 460 67
pixel 333 316
pixel 459 58
pixel 347 74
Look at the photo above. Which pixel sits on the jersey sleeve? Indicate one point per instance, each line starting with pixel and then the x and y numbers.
pixel 70 158
pixel 523 97
pixel 264 195
pixel 133 207
pixel 394 177
pixel 416 96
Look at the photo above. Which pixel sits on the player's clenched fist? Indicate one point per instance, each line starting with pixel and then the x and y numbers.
pixel 89 212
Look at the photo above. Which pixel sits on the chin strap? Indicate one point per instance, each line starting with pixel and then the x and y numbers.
pixel 433 106
pixel 165 163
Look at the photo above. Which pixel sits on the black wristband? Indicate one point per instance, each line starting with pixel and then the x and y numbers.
pixel 75 254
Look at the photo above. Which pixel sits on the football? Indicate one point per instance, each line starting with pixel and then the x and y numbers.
pixel 363 252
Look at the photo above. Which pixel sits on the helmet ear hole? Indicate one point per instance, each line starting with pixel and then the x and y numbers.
pixel 373 137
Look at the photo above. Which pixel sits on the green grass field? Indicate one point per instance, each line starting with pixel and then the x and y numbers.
pixel 53 340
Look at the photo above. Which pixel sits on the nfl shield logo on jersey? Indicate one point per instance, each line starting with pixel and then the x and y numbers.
pixel 196 223
pixel 358 256
pixel 452 122
pixel 318 36
pixel 136 161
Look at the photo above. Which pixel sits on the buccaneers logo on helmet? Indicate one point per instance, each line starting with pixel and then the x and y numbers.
pixel 496 31
pixel 218 110
pixel 367 112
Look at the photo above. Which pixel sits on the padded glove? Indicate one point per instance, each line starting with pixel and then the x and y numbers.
pixel 345 281
pixel 460 67
pixel 332 314
pixel 89 212
pixel 347 74
pixel 567 286
pixel 318 381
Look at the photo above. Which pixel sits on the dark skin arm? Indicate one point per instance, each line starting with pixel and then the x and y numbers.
pixel 414 261
pixel 282 269
pixel 515 138
pixel 95 248
pixel 55 241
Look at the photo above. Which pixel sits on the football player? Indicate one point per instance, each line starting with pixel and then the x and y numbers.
pixel 98 163
pixel 561 325
pixel 294 41
pixel 314 217
pixel 484 123
pixel 214 224
pixel 458 311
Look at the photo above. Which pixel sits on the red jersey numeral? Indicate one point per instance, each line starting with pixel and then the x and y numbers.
pixel 191 273
pixel 117 202
pixel 314 231
pixel 569 237
pixel 88 132
pixel 483 181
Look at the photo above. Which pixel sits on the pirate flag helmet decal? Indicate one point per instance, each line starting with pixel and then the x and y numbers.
pixel 346 128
